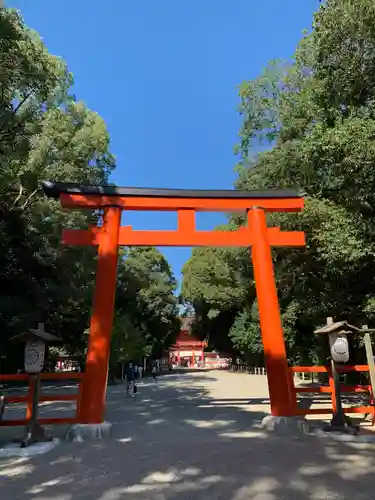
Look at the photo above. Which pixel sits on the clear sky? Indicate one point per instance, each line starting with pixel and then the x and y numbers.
pixel 163 75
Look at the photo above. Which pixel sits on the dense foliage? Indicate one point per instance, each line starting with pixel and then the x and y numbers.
pixel 318 113
pixel 146 306
pixel 45 133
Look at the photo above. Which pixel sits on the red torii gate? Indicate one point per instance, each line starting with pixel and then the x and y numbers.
pixel 113 200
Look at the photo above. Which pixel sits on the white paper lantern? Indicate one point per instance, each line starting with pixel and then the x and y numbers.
pixel 34 356
pixel 339 348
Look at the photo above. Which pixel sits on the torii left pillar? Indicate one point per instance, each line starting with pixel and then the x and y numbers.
pixel 92 402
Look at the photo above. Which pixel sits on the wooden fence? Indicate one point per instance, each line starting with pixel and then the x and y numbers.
pixel 329 389
pixel 254 370
pixel 311 374
pixel 28 398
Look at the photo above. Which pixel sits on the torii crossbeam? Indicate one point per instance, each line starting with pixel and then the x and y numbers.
pixel 113 200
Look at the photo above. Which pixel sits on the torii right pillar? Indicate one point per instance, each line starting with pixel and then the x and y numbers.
pixel 276 359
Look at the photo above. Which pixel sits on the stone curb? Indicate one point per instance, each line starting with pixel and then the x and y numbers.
pixel 348 438
pixel 14 449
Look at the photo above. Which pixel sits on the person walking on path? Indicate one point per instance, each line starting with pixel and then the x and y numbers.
pixel 154 370
pixel 130 381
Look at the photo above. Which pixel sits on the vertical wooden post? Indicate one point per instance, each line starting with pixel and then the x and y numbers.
pixel 269 314
pixel 30 398
pixel 370 359
pixel 371 368
pixel 292 392
pixel 79 398
pixel 332 386
pixel 94 389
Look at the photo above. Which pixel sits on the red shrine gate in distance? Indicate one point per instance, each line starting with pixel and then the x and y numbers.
pixel 113 200
pixel 187 348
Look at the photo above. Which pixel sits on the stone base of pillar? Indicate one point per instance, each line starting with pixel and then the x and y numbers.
pixel 84 432
pixel 285 425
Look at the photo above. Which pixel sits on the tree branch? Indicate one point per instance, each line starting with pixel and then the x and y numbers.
pixel 18 196
pixel 29 198
pixel 21 103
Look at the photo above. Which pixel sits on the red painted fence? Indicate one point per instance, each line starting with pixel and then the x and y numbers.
pixel 28 398
pixel 330 389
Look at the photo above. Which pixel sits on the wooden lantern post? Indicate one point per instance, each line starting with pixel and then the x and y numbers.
pixel 35 341
pixel 337 333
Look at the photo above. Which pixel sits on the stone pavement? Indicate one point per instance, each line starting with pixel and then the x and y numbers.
pixel 194 437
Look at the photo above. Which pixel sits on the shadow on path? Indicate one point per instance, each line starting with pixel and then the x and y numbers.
pixel 177 442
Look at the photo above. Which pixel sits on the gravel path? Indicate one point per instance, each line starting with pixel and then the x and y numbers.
pixel 193 437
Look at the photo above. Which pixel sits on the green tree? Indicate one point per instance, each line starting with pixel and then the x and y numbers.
pixel 127 342
pixel 245 335
pixel 44 134
pixel 317 112
pixel 31 79
pixel 146 298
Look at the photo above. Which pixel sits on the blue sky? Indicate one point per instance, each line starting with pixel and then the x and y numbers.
pixel 163 75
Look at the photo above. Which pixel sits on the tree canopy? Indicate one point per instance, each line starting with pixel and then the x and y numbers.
pixel 47 134
pixel 317 113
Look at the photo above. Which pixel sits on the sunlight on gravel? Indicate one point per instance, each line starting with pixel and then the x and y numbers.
pixel 15 467
pixel 194 437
